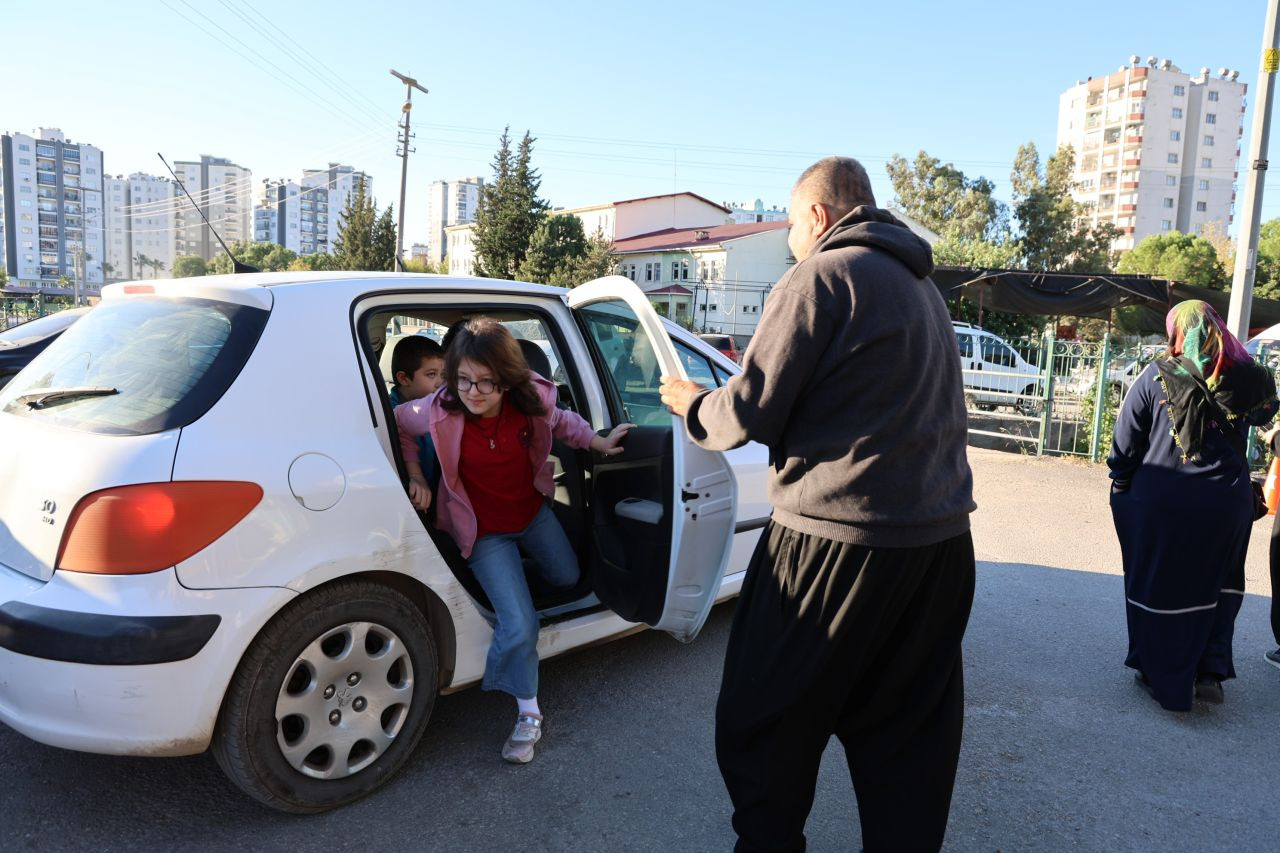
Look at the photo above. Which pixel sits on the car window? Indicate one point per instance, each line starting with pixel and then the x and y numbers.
pixel 630 364
pixel 696 365
pixel 167 360
pixel 38 329
pixel 966 344
pixel 535 330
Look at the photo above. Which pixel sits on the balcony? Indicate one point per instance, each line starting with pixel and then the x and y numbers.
pixel 1128 208
pixel 1094 100
pixel 48 180
pixel 1136 161
pixel 1133 140
pixel 1128 185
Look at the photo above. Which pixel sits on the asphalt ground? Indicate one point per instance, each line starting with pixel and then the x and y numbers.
pixel 1061 750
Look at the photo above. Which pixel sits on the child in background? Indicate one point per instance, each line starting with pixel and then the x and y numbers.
pixel 417 368
pixel 493 423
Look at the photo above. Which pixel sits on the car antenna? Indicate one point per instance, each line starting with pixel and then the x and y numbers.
pixel 236 266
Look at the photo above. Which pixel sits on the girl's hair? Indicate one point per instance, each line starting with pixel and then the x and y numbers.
pixel 486 341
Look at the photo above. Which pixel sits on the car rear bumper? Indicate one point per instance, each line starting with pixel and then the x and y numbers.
pixel 122 665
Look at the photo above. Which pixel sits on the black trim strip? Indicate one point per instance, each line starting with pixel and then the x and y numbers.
pixel 750 524
pixel 102 639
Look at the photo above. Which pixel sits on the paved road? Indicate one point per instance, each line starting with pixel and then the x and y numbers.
pixel 1061 750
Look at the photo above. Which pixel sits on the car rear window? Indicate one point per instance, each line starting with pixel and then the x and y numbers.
pixel 156 364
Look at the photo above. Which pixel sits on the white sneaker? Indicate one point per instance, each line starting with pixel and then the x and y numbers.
pixel 519 747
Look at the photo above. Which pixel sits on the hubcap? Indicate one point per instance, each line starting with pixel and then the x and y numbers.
pixel 344 700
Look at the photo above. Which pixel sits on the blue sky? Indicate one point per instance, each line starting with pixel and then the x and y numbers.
pixel 730 100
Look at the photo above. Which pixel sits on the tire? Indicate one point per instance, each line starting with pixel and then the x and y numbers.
pixel 1027 405
pixel 296 732
pixel 986 407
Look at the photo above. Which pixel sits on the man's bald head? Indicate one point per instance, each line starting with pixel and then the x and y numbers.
pixel 840 183
pixel 827 190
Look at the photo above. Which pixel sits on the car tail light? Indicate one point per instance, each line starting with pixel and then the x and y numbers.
pixel 132 530
pixel 139 288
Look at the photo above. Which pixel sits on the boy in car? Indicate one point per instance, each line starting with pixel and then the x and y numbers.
pixel 417 368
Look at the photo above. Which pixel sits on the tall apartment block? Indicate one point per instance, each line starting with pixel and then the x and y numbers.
pixel 51 212
pixel 449 203
pixel 341 182
pixel 140 224
pixel 305 216
pixel 224 192
pixel 1156 148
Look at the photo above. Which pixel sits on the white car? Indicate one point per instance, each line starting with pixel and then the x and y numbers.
pixel 205 539
pixel 994 373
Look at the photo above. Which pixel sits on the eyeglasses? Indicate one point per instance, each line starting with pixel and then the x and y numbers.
pixel 484 386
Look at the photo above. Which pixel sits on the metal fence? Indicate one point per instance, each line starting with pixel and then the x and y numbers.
pixel 1073 414
pixel 15 310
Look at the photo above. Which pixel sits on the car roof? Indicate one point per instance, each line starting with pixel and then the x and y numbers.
pixel 248 288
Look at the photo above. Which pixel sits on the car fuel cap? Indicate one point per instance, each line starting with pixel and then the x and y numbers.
pixel 316 481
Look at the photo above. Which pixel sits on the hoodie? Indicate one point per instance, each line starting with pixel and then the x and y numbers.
pixel 853 382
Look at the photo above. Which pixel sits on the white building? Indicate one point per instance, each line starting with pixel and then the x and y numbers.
pixel 51 212
pixel 741 214
pixel 460 248
pixel 717 276
pixel 1156 148
pixel 294 216
pixel 449 203
pixel 341 183
pixel 223 191
pixel 140 226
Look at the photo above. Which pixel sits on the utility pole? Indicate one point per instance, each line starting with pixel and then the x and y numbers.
pixel 1247 241
pixel 409 85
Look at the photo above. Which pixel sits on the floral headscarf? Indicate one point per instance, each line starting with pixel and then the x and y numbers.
pixel 1210 380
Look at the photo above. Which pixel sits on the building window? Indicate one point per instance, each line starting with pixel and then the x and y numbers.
pixel 1210 118
pixel 1173 158
pixel 1213 95
pixel 1206 163
pixel 1166 225
pixel 653 271
pixel 1208 140
pixel 1179 91
pixel 1175 135
pixel 679 270
pixel 1202 206
pixel 1203 185
pixel 1170 180
pixel 1177 112
pixel 1168 202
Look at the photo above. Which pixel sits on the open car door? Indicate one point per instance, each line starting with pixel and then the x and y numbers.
pixel 663 510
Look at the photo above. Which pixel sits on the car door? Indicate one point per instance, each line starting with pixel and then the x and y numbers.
pixel 663 510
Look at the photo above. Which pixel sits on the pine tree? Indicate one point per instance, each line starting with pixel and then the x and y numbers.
pixel 557 243
pixel 384 242
pixel 509 210
pixel 361 236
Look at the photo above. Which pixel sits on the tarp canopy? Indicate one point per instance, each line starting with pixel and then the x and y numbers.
pixel 1085 294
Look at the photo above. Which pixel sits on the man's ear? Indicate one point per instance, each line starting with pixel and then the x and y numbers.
pixel 822 216
pixel 401 378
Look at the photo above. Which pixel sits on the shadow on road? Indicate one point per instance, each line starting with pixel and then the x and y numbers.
pixel 1061 751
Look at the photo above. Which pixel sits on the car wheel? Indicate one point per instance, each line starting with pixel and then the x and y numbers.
pixel 330 699
pixel 986 407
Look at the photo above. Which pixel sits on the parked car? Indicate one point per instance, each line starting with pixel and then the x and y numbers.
pixel 994 373
pixel 206 541
pixel 23 342
pixel 725 345
pixel 1120 378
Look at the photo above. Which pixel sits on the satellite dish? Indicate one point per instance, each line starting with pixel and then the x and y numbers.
pixel 1151 60
pixel 1133 60
pixel 1222 72
pixel 1235 74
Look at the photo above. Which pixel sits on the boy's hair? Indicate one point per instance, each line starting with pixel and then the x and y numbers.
pixel 409 354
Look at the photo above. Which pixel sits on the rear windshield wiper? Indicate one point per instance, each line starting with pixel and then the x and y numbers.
pixel 50 396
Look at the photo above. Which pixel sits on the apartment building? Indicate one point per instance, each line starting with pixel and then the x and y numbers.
pixel 140 226
pixel 340 183
pixel 51 213
pixel 295 216
pixel 224 192
pixel 449 203
pixel 1157 149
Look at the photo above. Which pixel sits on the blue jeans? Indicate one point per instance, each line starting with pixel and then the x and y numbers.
pixel 512 663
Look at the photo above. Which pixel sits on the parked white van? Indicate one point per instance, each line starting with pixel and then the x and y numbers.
pixel 994 373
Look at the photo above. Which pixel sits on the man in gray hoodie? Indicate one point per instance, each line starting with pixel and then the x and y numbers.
pixel 856 600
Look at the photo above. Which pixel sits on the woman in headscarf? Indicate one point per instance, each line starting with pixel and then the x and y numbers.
pixel 1183 504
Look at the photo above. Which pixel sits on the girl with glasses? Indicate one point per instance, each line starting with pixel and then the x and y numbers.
pixel 492 423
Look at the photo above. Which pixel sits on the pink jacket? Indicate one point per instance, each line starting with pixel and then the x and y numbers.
pixel 454 514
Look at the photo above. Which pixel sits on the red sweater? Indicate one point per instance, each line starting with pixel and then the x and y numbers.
pixel 495 471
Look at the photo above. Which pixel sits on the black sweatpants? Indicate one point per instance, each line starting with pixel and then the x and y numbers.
pixel 1275 579
pixel 863 643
